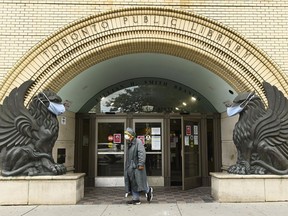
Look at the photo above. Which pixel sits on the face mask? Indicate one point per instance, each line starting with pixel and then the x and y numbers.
pixel 126 136
pixel 233 110
pixel 56 108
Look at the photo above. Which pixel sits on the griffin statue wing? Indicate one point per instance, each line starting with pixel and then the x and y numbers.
pixel 273 126
pixel 17 125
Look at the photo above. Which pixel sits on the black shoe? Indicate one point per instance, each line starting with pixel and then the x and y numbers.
pixel 134 202
pixel 150 194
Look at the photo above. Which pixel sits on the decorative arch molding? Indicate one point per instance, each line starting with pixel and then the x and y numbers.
pixel 65 54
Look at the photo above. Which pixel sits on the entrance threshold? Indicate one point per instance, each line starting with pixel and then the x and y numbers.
pixel 115 195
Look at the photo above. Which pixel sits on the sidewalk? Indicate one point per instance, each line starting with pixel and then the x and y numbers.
pixel 145 209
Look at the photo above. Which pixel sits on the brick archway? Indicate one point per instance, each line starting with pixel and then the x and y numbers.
pixel 76 47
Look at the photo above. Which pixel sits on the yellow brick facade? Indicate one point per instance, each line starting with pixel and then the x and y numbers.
pixel 24 23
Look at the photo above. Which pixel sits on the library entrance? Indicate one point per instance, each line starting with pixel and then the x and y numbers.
pixel 186 55
pixel 181 150
pixel 182 145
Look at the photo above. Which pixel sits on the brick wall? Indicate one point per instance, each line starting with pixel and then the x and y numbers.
pixel 23 23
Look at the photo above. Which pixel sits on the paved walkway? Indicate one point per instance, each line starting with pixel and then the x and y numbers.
pixel 162 195
pixel 173 209
pixel 166 202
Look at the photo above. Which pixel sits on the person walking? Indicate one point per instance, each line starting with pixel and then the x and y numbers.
pixel 135 173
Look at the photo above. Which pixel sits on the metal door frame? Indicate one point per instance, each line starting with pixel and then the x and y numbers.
pixel 101 181
pixel 195 181
pixel 155 180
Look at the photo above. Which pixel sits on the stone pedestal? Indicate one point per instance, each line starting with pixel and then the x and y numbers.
pixel 249 188
pixel 37 190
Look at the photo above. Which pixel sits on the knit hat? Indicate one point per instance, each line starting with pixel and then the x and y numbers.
pixel 130 132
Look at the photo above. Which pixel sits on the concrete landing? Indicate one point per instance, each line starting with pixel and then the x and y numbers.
pixel 33 190
pixel 249 188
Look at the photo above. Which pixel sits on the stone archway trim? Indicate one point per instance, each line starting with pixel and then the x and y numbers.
pixel 62 56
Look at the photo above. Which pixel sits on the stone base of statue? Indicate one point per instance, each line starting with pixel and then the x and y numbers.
pixel 227 187
pixel 38 190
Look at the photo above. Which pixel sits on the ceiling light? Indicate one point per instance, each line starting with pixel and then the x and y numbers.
pixel 184 104
pixel 193 98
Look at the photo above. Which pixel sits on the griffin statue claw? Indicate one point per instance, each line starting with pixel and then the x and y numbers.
pixel 27 135
pixel 261 134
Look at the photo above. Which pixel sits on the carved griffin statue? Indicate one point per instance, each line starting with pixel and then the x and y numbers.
pixel 27 135
pixel 261 134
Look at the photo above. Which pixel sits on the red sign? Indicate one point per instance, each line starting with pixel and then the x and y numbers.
pixel 117 138
pixel 188 130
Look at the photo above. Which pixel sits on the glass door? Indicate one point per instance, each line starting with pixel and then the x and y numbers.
pixel 176 152
pixel 150 132
pixel 110 148
pixel 191 176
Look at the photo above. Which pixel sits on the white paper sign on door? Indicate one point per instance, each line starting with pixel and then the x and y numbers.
pixel 186 140
pixel 155 131
pixel 156 142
